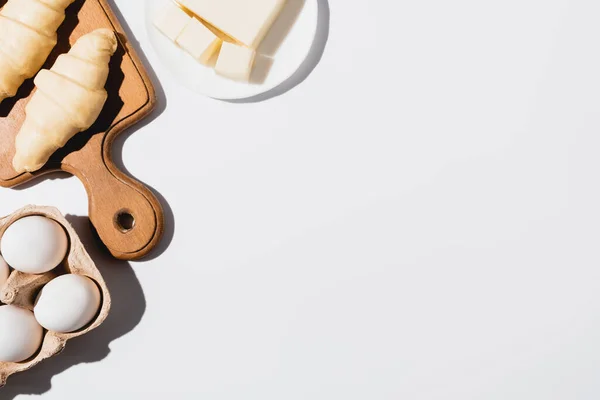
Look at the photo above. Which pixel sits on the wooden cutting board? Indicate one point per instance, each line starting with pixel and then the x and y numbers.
pixel 126 215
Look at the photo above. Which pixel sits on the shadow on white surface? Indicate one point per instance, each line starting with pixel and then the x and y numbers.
pixel 161 98
pixel 128 307
pixel 119 142
pixel 273 41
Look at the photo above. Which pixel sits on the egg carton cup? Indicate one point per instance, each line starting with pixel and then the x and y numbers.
pixel 22 289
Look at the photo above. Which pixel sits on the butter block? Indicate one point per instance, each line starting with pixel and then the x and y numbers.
pixel 171 21
pixel 199 41
pixel 235 62
pixel 246 21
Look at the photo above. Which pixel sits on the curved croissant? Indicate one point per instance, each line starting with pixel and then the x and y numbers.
pixel 27 36
pixel 68 99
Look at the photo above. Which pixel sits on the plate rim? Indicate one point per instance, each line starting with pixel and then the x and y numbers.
pixel 261 88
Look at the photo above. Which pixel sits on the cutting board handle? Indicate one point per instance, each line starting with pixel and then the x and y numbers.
pixel 126 215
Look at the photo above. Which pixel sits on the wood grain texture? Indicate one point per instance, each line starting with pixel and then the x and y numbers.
pixel 131 97
pixel 22 289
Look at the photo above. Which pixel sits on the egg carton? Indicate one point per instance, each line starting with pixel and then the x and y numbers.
pixel 22 289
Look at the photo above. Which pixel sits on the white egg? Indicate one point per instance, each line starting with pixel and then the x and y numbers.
pixel 34 245
pixel 4 272
pixel 20 334
pixel 67 303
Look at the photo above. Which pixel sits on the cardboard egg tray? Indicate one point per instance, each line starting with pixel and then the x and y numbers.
pixel 22 289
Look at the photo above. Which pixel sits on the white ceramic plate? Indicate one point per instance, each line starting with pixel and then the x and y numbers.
pixel 287 45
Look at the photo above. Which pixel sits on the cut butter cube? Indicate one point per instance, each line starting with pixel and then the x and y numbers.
pixel 235 62
pixel 199 41
pixel 171 21
pixel 246 21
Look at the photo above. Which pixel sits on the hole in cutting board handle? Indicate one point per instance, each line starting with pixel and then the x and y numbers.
pixel 124 221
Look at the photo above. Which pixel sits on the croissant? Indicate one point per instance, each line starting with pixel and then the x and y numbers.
pixel 68 99
pixel 27 36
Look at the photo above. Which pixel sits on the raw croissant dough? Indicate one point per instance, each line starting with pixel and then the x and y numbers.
pixel 27 36
pixel 68 100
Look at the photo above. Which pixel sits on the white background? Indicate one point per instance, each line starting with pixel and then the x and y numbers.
pixel 419 219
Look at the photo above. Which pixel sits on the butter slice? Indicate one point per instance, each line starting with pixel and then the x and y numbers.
pixel 171 21
pixel 235 62
pixel 246 21
pixel 199 41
